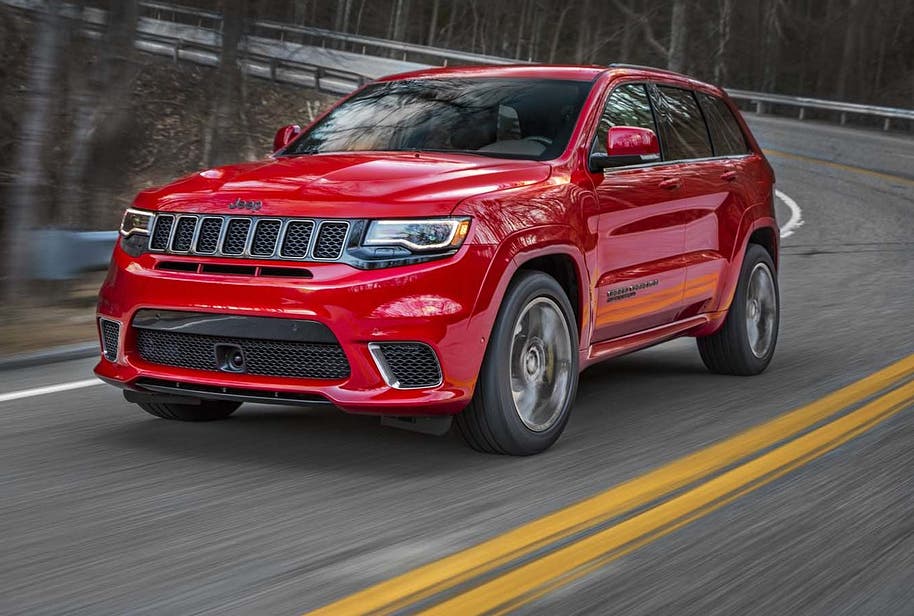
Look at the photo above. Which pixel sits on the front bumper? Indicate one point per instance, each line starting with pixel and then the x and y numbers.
pixel 432 303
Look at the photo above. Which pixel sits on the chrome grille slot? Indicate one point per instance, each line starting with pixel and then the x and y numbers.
pixel 265 235
pixel 184 234
pixel 236 236
pixel 161 232
pixel 297 239
pixel 250 237
pixel 331 237
pixel 208 239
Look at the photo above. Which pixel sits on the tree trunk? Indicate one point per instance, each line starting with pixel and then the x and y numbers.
pixel 358 17
pixel 581 37
pixel 300 12
pixel 725 8
pixel 401 20
pixel 433 24
pixel 451 21
pixel 848 49
pixel 31 181
pixel 224 140
pixel 113 122
pixel 343 9
pixel 771 45
pixel 557 33
pixel 679 37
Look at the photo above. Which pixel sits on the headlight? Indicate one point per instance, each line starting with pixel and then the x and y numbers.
pixel 433 234
pixel 136 221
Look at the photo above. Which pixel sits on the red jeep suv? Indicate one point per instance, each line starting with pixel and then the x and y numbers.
pixel 452 242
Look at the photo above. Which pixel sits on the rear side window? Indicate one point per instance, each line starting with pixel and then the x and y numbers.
pixel 685 134
pixel 628 105
pixel 726 135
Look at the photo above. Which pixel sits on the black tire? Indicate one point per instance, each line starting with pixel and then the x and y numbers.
pixel 729 350
pixel 491 423
pixel 207 410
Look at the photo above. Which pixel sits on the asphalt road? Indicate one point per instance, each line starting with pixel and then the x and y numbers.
pixel 105 510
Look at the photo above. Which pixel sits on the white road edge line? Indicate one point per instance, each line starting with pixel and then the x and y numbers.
pixel 796 214
pixel 50 389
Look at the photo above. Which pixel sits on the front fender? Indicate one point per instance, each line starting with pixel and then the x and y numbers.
pixel 516 250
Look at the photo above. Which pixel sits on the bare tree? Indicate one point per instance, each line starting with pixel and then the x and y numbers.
pixel 679 37
pixel 725 12
pixel 433 23
pixel 222 139
pixel 29 183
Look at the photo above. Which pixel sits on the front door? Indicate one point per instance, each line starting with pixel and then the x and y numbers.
pixel 641 231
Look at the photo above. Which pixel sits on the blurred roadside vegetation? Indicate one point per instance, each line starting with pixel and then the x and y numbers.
pixel 113 121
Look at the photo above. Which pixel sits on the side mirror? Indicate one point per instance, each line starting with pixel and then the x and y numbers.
pixel 627 145
pixel 285 136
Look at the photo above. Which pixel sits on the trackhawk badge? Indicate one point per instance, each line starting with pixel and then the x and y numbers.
pixel 241 204
pixel 614 295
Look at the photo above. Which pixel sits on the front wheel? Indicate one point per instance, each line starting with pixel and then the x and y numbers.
pixel 529 376
pixel 745 343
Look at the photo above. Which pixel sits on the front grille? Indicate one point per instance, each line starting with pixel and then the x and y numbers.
pixel 305 360
pixel 262 238
pixel 111 331
pixel 407 365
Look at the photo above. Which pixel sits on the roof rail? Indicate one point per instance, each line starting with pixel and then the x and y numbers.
pixel 648 68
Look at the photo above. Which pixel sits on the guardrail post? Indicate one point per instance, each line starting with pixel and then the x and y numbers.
pixel 802 113
pixel 759 107
pixel 272 69
pixel 887 124
pixel 177 55
pixel 843 118
pixel 317 78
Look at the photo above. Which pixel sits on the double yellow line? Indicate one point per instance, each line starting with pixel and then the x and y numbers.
pixel 756 456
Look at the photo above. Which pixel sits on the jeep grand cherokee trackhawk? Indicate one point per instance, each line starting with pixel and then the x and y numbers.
pixel 452 242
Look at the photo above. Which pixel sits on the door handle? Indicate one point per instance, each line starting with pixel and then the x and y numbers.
pixel 671 184
pixel 728 176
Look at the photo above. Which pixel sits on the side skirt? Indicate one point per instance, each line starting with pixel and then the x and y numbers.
pixel 640 340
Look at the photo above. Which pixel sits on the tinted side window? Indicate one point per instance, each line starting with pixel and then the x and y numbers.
pixel 628 105
pixel 684 130
pixel 725 132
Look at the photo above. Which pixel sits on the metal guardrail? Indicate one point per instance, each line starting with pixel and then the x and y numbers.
pixel 363 43
pixel 761 102
pixel 283 31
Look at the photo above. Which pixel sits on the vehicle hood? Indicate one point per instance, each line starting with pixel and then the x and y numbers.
pixel 351 185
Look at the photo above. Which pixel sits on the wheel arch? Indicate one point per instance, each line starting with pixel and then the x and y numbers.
pixel 551 250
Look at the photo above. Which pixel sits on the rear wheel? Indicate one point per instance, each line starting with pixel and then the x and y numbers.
pixel 745 343
pixel 207 410
pixel 529 375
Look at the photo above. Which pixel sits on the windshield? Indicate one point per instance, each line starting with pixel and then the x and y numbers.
pixel 505 118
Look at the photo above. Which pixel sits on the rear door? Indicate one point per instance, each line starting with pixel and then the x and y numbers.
pixel 710 233
pixel 639 271
pixel 705 194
